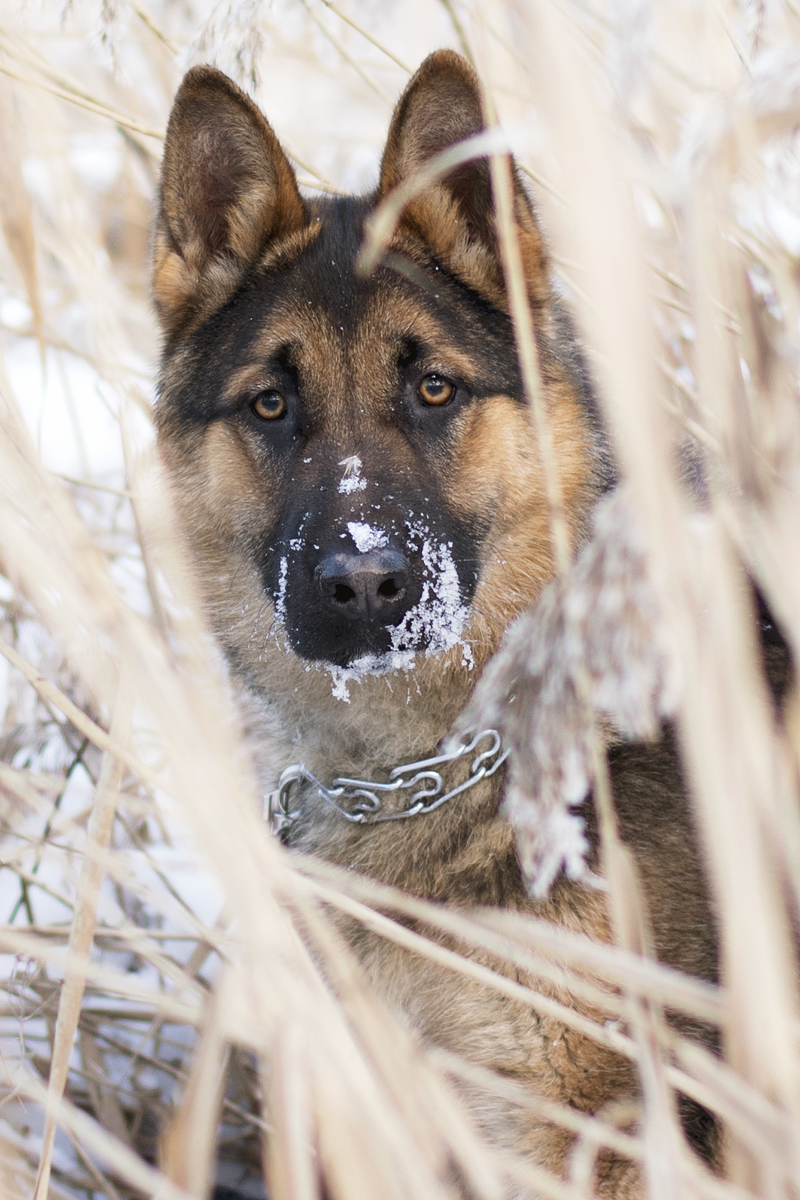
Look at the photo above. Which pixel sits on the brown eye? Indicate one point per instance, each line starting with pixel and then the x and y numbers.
pixel 435 390
pixel 270 406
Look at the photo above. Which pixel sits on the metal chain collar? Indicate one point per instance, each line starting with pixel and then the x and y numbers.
pixel 365 797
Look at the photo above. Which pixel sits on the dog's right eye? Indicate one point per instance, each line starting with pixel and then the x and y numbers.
pixel 436 391
pixel 269 406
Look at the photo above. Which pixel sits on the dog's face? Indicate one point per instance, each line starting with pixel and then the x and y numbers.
pixel 354 458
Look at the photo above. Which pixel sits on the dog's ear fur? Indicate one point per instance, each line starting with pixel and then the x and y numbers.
pixel 441 106
pixel 227 191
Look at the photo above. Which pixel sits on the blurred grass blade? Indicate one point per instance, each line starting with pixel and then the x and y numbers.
pixel 16 210
pixel 189 1146
pixel 291 1156
pixel 84 922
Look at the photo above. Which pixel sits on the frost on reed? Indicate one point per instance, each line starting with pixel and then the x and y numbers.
pixel 595 644
pixel 186 993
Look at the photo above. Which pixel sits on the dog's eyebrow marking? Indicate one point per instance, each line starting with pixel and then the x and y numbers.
pixel 351 480
pixel 250 376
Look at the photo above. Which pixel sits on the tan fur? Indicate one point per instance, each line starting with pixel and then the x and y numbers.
pixel 487 469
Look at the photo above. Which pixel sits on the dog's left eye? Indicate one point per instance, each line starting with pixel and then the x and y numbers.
pixel 270 406
pixel 435 389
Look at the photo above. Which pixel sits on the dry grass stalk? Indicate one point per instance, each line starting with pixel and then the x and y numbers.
pixel 339 1083
pixel 710 678
pixel 82 931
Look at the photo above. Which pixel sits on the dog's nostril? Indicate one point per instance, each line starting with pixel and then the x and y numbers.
pixel 367 587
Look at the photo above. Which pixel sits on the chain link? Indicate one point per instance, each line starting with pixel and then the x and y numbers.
pixel 365 797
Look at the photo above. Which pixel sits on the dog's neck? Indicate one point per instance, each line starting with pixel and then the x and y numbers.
pixel 409 790
pixel 385 721
pixel 366 741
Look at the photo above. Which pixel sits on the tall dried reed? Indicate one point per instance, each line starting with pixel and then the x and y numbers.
pixel 170 996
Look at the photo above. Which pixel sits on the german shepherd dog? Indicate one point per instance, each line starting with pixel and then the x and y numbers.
pixel 355 464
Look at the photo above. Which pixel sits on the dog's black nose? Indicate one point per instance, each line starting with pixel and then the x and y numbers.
pixel 365 587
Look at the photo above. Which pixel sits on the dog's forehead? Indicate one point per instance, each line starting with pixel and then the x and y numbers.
pixel 343 324
pixel 340 327
pixel 341 330
pixel 325 292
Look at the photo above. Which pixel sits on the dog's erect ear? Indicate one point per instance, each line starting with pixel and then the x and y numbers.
pixel 441 106
pixel 227 191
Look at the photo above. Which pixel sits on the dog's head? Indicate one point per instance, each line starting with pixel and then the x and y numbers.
pixel 354 457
